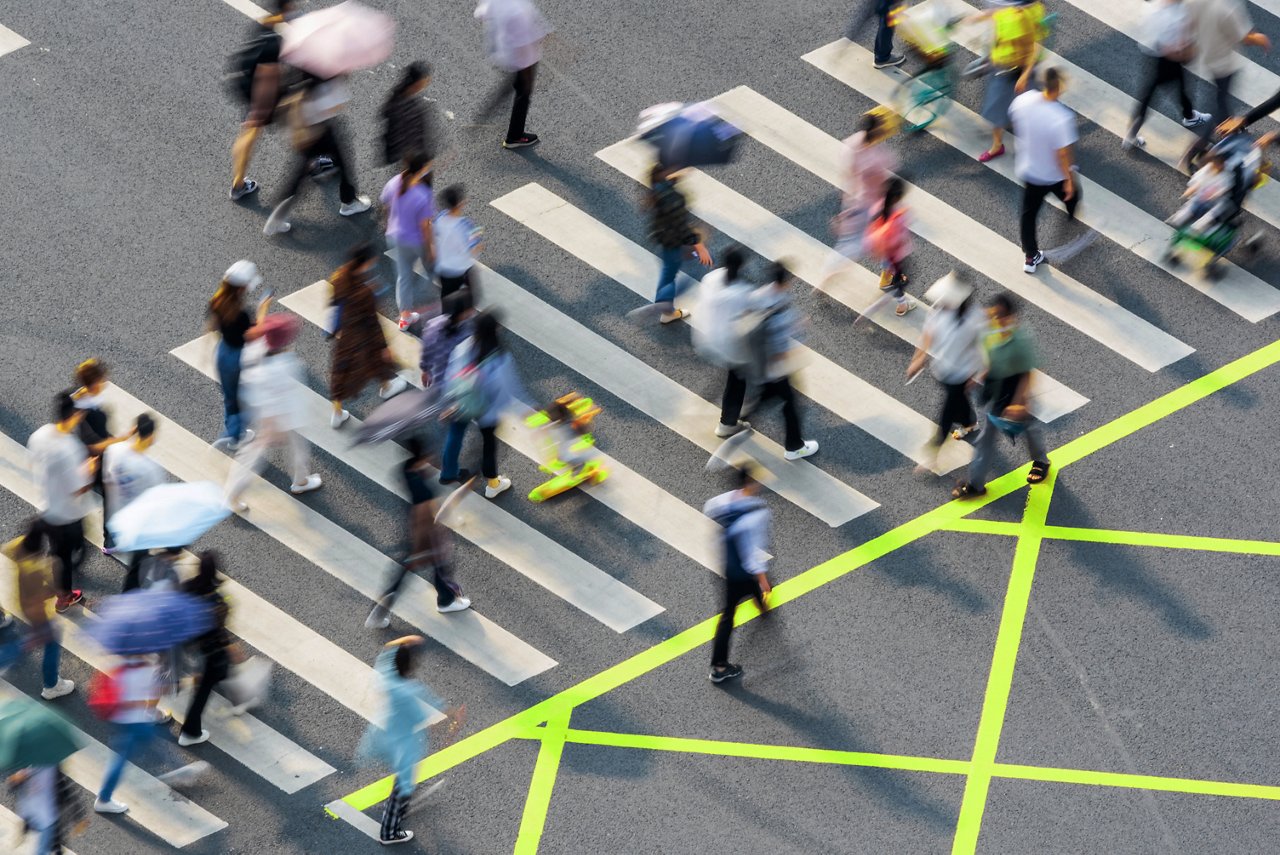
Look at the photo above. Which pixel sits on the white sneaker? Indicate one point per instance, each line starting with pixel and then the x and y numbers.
pixel 458 604
pixel 810 447
pixel 491 492
pixel 723 431
pixel 186 739
pixel 278 223
pixel 62 687
pixel 394 387
pixel 313 482
pixel 1133 140
pixel 336 420
pixel 109 806
pixel 238 506
pixel 1197 119
pixel 224 443
pixel 359 206
pixel 379 618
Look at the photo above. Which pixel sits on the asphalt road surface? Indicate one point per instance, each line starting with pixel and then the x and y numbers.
pixel 1028 675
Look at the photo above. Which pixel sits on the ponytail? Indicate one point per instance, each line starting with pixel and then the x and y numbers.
pixel 416 164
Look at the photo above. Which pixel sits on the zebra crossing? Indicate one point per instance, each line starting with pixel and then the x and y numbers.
pixel 534 212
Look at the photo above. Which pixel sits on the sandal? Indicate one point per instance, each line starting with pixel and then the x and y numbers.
pixel 1039 471
pixel 962 432
pixel 677 315
pixel 965 490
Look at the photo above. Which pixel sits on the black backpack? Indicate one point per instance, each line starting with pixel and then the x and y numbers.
pixel 241 65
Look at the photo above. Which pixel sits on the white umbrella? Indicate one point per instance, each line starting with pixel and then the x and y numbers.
pixel 338 40
pixel 168 515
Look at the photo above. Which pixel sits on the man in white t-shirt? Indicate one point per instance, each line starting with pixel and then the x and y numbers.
pixel 1219 27
pixel 1046 131
pixel 127 471
pixel 64 472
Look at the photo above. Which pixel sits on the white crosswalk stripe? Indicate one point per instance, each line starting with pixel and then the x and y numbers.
pixel 11 834
pixel 840 391
pixel 10 41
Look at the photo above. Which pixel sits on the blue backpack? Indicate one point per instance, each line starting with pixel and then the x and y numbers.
pixel 463 386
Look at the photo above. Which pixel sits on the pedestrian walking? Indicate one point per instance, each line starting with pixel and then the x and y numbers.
pixel 442 334
pixel 1014 51
pixel 953 333
pixel 1219 27
pixel 136 685
pixel 127 473
pixel 256 80
pixel 481 385
pixel 1171 46
pixel 1046 132
pixel 889 242
pixel 214 647
pixel 723 301
pixel 1007 387
pixel 458 242
pixel 867 167
pixel 47 804
pixel 406 132
pixel 64 472
pixel 95 431
pixel 273 390
pixel 429 544
pixel 513 30
pixel 743 518
pixel 885 12
pixel 671 228
pixel 410 206
pixel 29 553
pixel 399 737
pixel 315 122
pixel 360 351
pixel 230 318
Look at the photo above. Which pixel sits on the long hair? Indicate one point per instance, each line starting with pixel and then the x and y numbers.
pixel 227 302
pixel 486 335
pixel 892 196
pixel 416 164
pixel 454 306
pixel 414 73
pixel 345 279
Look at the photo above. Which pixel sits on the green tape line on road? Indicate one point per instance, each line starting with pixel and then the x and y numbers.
pixel 542 784
pixel 1122 538
pixel 1135 782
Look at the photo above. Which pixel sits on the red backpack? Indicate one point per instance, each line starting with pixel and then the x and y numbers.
pixel 104 693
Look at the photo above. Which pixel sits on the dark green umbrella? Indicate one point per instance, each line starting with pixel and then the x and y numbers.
pixel 33 735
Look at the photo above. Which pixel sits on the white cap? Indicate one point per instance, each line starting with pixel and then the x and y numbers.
pixel 243 274
pixel 948 292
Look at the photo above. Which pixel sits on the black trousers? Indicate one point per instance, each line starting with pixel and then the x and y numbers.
pixel 1163 71
pixel 735 392
pixel 522 83
pixel 327 143
pixel 217 665
pixel 449 284
pixel 735 591
pixel 67 545
pixel 956 410
pixel 1033 196
pixel 1221 112
pixel 133 570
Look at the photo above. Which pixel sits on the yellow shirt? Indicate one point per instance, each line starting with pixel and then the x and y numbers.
pixel 34 582
pixel 1013 25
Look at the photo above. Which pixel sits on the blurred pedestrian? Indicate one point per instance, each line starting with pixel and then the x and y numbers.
pixel 360 350
pixel 128 472
pixel 442 334
pixel 885 12
pixel 1219 27
pixel 1014 51
pixel 429 544
pixel 36 598
pixel 214 647
pixel 399 738
pixel 1011 359
pixel 514 30
pixel 1046 132
pixel 315 122
pixel 723 299
pixel 408 201
pixel 256 79
pixel 46 801
pixel 64 472
pixel 671 228
pixel 405 114
pixel 95 432
pixel 743 518
pixel 481 385
pixel 230 317
pixel 273 389
pixel 889 242
pixel 1170 45
pixel 458 242
pixel 137 688
pixel 867 167
pixel 953 334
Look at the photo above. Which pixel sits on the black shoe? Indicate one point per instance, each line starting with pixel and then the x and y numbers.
pixel 892 60
pixel 728 672
pixel 522 141
pixel 398 837
pixel 322 166
pixel 463 475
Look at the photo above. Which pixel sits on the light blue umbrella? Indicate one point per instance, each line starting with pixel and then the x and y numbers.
pixel 168 515
pixel 147 620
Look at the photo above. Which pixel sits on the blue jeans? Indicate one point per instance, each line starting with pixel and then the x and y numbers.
pixel 453 447
pixel 672 259
pixel 131 737
pixel 229 377
pixel 410 294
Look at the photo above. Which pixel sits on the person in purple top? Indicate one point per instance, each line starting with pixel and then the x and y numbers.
pixel 409 204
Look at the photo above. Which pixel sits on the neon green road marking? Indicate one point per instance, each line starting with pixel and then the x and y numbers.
pixel 972 526
pixel 1137 782
pixel 538 800
pixel 1000 680
pixel 1122 538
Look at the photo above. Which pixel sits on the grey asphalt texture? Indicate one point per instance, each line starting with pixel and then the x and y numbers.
pixel 114 150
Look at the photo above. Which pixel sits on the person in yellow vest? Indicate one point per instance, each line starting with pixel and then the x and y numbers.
pixel 1018 32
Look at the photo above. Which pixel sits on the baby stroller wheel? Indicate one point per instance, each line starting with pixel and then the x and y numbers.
pixel 1253 243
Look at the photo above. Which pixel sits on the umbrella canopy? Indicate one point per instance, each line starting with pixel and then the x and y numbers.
pixel 338 40
pixel 149 620
pixel 400 415
pixel 692 136
pixel 168 515
pixel 33 735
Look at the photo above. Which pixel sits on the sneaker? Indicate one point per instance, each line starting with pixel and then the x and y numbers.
pixel 458 604
pixel 379 618
pixel 160 716
pixel 313 482
pixel 1031 262
pixel 359 206
pixel 890 61
pixel 408 320
pixel 109 806
pixel 57 690
pixel 399 837
pixel 492 492
pixel 809 448
pixel 278 223
pixel 66 601
pixel 249 186
pixel 724 431
pixel 523 141
pixel 1197 119
pixel 185 739
pixel 224 443
pixel 463 475
pixel 728 672
pixel 394 387
pixel 1134 141
pixel 322 166
pixel 337 419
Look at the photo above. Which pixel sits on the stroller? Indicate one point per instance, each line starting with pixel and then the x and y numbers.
pixel 1214 232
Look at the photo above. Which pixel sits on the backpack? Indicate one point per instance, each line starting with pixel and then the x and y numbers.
pixel 463 385
pixel 243 64
pixel 104 693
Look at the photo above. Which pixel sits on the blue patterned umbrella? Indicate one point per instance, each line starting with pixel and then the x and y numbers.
pixel 149 620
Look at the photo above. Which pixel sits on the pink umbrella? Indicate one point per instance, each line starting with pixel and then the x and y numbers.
pixel 338 40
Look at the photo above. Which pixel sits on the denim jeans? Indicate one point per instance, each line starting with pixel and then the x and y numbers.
pixel 411 288
pixel 672 259
pixel 50 660
pixel 229 376
pixel 453 447
pixel 131 737
pixel 884 32
pixel 985 447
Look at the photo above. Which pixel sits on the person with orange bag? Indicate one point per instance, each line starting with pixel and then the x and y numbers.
pixel 888 240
